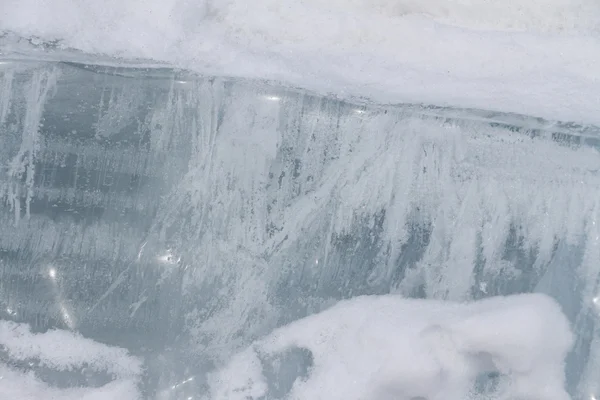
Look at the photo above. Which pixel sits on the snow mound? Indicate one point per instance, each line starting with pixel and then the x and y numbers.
pixel 62 351
pixel 388 347
pixel 534 57
pixel 25 386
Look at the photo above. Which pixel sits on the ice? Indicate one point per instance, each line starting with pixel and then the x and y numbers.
pixel 184 218
pixel 220 198
pixel 390 347
pixel 536 57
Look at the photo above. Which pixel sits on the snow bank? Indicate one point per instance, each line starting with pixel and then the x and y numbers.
pixel 536 57
pixel 389 347
pixel 25 386
pixel 63 351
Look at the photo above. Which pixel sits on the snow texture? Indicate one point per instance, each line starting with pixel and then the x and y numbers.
pixel 59 350
pixel 388 347
pixel 536 57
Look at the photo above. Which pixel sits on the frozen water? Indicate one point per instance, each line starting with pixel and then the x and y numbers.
pixel 160 230
pixel 156 223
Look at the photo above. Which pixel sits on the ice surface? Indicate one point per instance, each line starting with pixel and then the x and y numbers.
pixel 389 347
pixel 184 218
pixel 537 57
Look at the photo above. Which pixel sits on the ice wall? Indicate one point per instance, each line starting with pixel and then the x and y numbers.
pixel 184 217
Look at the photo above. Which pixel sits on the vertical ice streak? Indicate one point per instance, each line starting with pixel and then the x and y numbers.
pixel 590 283
pixel 21 169
pixel 6 94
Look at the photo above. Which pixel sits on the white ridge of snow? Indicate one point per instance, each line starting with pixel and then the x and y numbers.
pixel 64 351
pixel 389 347
pixel 536 57
pixel 25 386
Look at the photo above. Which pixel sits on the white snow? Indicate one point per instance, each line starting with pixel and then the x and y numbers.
pixel 63 351
pixel 535 57
pixel 389 347
pixel 25 386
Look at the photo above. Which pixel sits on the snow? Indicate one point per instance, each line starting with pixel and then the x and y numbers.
pixel 536 57
pixel 63 351
pixel 389 347
pixel 383 347
pixel 23 386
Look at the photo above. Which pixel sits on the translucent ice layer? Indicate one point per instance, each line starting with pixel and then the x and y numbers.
pixel 184 218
